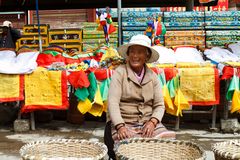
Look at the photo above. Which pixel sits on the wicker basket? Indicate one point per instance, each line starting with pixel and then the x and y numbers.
pixel 61 149
pixel 153 149
pixel 227 150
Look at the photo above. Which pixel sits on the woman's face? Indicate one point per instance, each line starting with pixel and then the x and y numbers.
pixel 137 56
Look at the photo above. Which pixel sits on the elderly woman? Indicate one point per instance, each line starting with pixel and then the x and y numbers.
pixel 135 101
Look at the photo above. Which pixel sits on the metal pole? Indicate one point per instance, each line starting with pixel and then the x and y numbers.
pixel 119 22
pixel 189 5
pixel 39 32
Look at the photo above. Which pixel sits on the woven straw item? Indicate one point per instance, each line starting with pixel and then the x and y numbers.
pixel 158 149
pixel 227 150
pixel 61 149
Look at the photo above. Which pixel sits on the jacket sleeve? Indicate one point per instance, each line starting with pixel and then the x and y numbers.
pixel 15 34
pixel 114 96
pixel 158 101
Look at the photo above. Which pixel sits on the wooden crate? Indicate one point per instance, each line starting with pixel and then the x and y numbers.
pixel 69 46
pixel 32 29
pixel 33 41
pixel 65 36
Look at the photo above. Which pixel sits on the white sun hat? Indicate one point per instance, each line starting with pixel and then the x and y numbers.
pixel 141 40
pixel 7 24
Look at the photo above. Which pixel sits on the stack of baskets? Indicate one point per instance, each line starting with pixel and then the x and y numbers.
pixel 61 149
pixel 227 150
pixel 152 149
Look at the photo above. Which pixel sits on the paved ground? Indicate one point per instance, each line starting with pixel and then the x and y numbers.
pixel 11 142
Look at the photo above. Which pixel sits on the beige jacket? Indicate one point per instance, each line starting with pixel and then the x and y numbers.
pixel 130 101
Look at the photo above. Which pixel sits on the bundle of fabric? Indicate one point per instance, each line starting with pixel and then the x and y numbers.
pixel 219 55
pixel 188 54
pixel 234 48
pixel 91 90
pixel 23 63
pixel 166 55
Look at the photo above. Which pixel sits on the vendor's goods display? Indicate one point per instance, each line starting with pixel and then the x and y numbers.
pixel 94 38
pixel 135 22
pixel 222 20
pixel 183 20
pixel 221 37
pixel 228 150
pixel 30 36
pixel 189 37
pixel 69 39
pixel 152 149
pixel 63 149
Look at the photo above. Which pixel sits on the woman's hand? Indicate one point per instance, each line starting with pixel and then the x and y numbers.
pixel 124 133
pixel 148 129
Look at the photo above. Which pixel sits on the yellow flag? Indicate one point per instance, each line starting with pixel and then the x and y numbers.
pixel 84 106
pixel 235 101
pixel 96 110
pixel 98 97
pixel 98 106
pixel 181 102
pixel 167 98
pixel 105 106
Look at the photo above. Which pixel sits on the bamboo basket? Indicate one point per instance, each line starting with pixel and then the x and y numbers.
pixel 227 150
pixel 158 149
pixel 64 149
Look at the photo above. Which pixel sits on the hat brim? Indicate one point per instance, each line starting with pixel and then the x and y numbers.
pixel 122 50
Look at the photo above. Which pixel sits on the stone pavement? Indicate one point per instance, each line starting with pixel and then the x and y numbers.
pixel 11 142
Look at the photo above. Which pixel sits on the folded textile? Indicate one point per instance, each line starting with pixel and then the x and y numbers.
pixel 23 63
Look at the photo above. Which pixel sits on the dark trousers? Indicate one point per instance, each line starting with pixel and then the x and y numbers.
pixel 109 141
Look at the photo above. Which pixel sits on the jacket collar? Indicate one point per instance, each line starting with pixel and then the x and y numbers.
pixel 132 77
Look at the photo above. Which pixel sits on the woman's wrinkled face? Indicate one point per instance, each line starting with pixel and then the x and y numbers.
pixel 137 56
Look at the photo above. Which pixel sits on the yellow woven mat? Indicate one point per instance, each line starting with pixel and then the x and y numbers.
pixel 198 84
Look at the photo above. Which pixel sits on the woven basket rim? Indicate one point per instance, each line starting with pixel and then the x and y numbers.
pixel 157 140
pixel 216 148
pixel 29 145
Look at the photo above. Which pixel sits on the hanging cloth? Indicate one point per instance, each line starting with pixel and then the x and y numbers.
pixel 84 106
pixel 92 87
